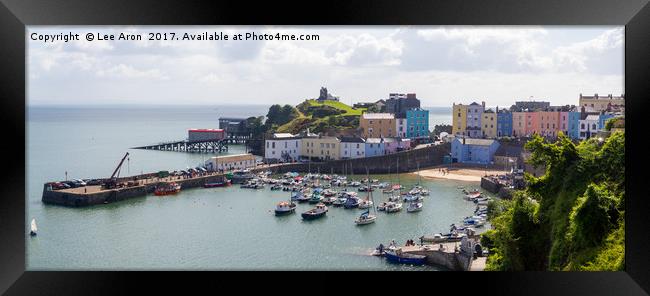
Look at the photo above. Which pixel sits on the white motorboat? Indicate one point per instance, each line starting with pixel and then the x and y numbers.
pixel 393 207
pixel 365 204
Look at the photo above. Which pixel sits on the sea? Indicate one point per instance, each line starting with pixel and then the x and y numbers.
pixel 198 229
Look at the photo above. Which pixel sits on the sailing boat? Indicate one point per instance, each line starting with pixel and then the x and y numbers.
pixel 393 205
pixel 32 232
pixel 365 217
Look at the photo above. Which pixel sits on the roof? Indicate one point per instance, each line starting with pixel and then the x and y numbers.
pixel 477 142
pixel 593 117
pixel 378 116
pixel 352 140
pixel 474 104
pixel 373 140
pixel 205 130
pixel 233 157
pixel 508 150
pixel 282 135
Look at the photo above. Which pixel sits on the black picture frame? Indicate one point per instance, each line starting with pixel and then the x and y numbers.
pixel 15 15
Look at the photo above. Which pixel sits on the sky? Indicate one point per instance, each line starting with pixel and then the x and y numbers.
pixel 442 65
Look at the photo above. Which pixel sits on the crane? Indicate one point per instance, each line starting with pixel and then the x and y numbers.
pixel 119 166
pixel 112 182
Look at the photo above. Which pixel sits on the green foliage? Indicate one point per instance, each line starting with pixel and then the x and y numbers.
pixel 568 219
pixel 279 115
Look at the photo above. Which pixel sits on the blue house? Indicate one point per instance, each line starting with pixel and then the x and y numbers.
pixel 417 123
pixel 470 150
pixel 602 119
pixel 504 123
pixel 374 147
pixel 574 125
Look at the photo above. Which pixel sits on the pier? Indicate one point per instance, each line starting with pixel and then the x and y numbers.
pixel 204 146
pixel 451 255
pixel 95 194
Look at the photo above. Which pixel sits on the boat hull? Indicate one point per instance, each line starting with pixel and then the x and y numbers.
pixel 310 216
pixel 285 212
pixel 419 260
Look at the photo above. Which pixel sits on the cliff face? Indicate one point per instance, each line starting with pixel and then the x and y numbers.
pixel 571 217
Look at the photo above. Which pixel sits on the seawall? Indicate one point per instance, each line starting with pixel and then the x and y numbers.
pixel 72 199
pixel 383 164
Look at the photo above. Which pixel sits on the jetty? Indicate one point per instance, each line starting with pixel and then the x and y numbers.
pixel 457 256
pixel 204 146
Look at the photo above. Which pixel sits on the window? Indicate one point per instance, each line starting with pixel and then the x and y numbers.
pixel 273 145
pixel 582 126
pixel 285 144
pixel 267 144
pixel 593 126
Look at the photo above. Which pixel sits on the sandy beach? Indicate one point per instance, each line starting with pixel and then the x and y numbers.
pixel 459 173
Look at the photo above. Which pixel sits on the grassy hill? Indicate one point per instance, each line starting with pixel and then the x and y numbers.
pixel 323 116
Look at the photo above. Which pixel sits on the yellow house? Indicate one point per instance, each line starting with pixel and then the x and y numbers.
pixel 489 124
pixel 322 147
pixel 377 125
pixel 459 119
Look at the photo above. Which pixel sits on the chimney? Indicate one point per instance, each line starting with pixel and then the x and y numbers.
pixel 596 95
pixel 483 103
pixel 463 140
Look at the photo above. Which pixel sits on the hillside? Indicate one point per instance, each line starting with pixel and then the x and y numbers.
pixel 571 218
pixel 323 117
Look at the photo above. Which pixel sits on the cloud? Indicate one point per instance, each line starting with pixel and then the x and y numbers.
pixel 126 71
pixel 602 54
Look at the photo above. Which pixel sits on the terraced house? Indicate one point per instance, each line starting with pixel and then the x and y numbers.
pixel 321 148
pixel 417 121
pixel 489 124
pixel 377 125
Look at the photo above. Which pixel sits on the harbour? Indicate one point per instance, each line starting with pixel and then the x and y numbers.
pixel 203 228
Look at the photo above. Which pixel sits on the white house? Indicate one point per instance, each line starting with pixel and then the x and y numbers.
pixel 352 147
pixel 282 147
pixel 588 126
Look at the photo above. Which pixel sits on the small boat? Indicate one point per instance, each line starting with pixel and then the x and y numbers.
pixel 329 192
pixel 303 197
pixel 425 192
pixel 295 195
pixel 398 256
pixel 387 190
pixel 329 200
pixel 167 189
pixel 351 202
pixel 365 189
pixel 319 211
pixel 365 218
pixel 339 201
pixel 412 198
pixel 392 207
pixel 394 198
pixel 365 204
pixel 217 184
pixel 414 207
pixel 382 206
pixel 285 207
pixel 315 198
pixel 276 187
pixel 355 184
pixel 33 228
